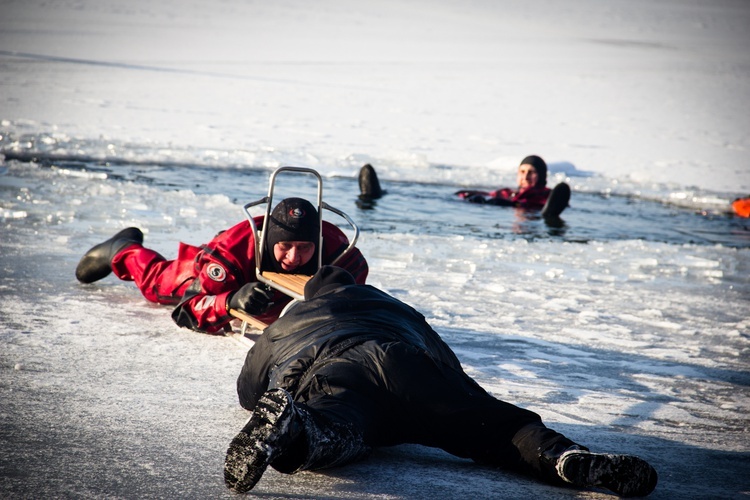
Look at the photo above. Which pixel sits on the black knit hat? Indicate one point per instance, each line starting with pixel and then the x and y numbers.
pixel 293 219
pixel 540 166
pixel 327 279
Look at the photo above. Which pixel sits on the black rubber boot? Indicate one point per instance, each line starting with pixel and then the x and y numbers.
pixel 96 263
pixel 625 475
pixel 267 434
pixel 558 200
pixel 289 437
pixel 369 186
pixel 324 444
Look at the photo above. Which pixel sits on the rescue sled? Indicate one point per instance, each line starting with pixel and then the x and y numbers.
pixel 292 285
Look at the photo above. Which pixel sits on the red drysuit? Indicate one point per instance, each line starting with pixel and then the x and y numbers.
pixel 200 280
pixel 533 197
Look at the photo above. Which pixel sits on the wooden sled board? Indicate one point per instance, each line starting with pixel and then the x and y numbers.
pixel 247 337
pixel 250 320
pixel 294 282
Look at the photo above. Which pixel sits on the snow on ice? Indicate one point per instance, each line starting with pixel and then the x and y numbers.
pixel 626 331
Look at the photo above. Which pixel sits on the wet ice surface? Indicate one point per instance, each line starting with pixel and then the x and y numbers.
pixel 623 344
pixel 626 327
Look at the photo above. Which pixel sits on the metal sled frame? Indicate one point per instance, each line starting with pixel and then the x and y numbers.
pixel 290 284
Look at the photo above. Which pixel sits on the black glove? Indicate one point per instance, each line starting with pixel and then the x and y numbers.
pixel 253 298
pixel 476 198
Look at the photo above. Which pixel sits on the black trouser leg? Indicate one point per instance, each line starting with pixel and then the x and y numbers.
pixel 399 394
pixel 538 447
pixel 322 444
pixel 445 408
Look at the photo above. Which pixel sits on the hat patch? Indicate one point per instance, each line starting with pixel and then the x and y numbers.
pixel 296 213
pixel 216 272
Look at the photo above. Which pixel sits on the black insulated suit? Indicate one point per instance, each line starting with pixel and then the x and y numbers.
pixel 359 357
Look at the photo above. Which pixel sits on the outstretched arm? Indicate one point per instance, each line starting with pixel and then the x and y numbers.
pixel 500 202
pixel 465 194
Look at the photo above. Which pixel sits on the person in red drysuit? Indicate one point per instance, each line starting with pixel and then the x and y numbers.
pixel 205 282
pixel 532 191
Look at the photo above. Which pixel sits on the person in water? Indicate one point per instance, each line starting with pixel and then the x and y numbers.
pixel 205 282
pixel 352 368
pixel 532 190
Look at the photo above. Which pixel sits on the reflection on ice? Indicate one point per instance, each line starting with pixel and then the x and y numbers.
pixel 627 324
pixel 615 321
pixel 13 214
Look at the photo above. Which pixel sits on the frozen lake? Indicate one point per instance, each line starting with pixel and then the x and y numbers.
pixel 627 327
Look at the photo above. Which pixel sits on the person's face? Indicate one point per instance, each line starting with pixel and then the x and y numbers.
pixel 527 176
pixel 293 254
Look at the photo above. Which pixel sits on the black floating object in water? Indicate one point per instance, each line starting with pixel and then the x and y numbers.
pixel 557 201
pixel 369 186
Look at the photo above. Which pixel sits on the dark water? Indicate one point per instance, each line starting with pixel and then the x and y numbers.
pixel 589 217
pixel 422 208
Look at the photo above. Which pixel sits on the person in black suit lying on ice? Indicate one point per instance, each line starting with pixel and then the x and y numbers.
pixel 352 368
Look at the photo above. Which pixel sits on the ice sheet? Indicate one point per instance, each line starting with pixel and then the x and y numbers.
pixel 623 340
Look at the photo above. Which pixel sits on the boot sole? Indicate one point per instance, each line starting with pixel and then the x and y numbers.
pixel 259 442
pixel 625 475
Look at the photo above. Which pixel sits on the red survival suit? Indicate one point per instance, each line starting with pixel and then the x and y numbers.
pixel 533 197
pixel 200 280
